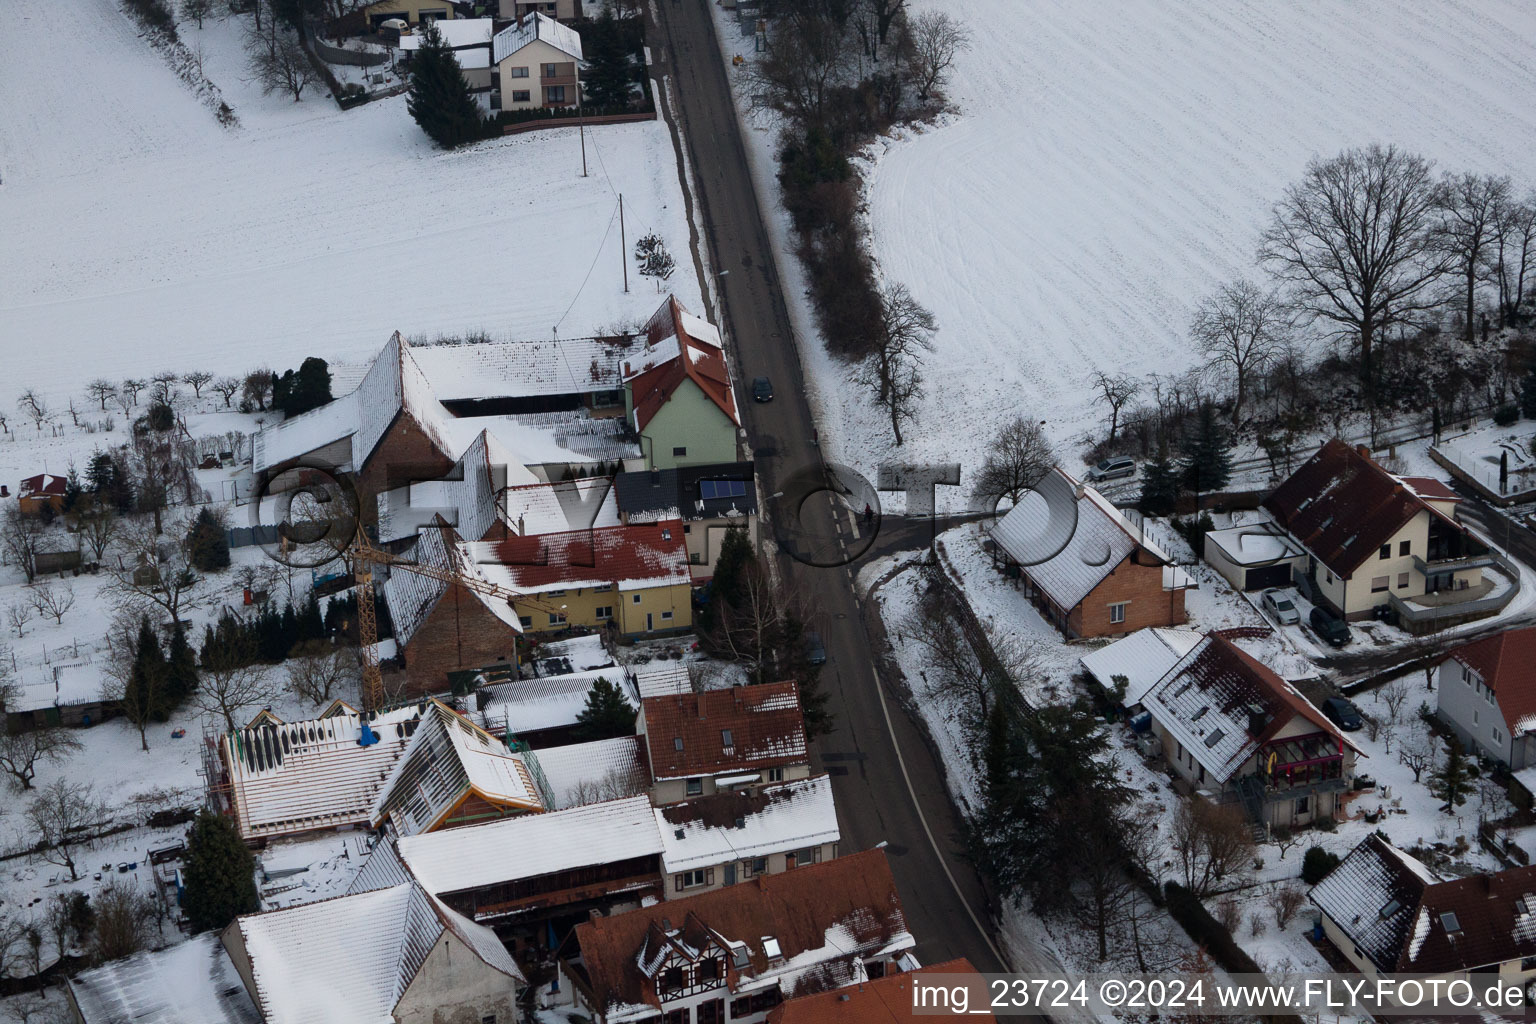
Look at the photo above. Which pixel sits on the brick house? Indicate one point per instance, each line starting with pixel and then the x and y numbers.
pixel 1087 568
pixel 734 954
pixel 701 743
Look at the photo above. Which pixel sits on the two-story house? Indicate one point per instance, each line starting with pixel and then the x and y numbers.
pixel 1375 539
pixel 678 394
pixel 1387 913
pixel 1486 692
pixel 700 743
pixel 1230 727
pixel 711 500
pixel 1087 568
pixel 730 956
pixel 538 64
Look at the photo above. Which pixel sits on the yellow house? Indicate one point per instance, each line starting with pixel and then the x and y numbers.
pixel 537 65
pixel 411 11
pixel 633 577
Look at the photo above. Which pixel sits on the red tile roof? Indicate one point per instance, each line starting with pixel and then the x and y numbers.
pixel 881 1001
pixel 43 485
pixel 766 726
pixel 1429 487
pixel 855 894
pixel 1342 506
pixel 1507 663
pixel 617 554
pixel 699 361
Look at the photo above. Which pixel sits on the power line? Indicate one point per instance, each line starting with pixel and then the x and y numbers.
pixel 612 217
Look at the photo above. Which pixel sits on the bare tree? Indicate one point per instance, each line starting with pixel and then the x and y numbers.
pixel 231 682
pixel 17 615
pixel 1356 240
pixel 807 58
pixel 199 379
pixel 934 40
pixel 1019 455
pixel 1209 842
pixel 34 408
pixel 317 672
pixel 1285 899
pixel 278 61
pixel 95 523
pixel 1241 328
pixel 53 599
pixel 1419 752
pixel 12 941
pixel 22 752
pixel 162 387
pixel 227 386
pixel 153 570
pixel 1469 211
pixel 257 388
pixel 1513 253
pixel 196 10
pixel 123 915
pixel 1285 838
pixel 1114 390
pixel 893 368
pixel 1394 695
pixel 132 386
pixel 21 536
pixel 614 785
pixel 62 815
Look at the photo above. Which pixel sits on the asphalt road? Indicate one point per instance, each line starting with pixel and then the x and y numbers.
pixel 877 757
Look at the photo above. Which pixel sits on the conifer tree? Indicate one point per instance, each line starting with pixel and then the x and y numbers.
pixel 180 670
pixel 439 97
pixel 1159 486
pixel 1207 458
pixel 607 713
pixel 1527 398
pixel 144 697
pixel 220 873
pixel 1451 781
pixel 606 80
pixel 207 544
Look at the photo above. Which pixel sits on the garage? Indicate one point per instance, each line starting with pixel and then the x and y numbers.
pixel 1254 555
pixel 1268 576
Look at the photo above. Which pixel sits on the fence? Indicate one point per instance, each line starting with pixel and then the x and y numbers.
pixel 568 122
pixel 247 536
pixel 352 58
pixel 1485 479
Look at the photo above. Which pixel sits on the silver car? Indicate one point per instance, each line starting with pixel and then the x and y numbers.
pixel 1113 468
pixel 1280 606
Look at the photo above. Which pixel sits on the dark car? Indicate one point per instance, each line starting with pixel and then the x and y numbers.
pixel 815 650
pixel 1343 714
pixel 762 389
pixel 1329 626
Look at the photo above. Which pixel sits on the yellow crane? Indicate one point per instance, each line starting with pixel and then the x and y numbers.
pixel 364 556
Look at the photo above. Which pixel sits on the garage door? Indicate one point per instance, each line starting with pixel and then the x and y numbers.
pixel 1269 576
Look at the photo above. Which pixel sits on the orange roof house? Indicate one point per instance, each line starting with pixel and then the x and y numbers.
pixel 678 392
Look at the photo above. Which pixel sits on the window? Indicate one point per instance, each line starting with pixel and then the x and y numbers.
pixel 522 96
pixel 1496 737
pixel 1402 581
pixel 602 587
pixel 666 616
pixel 741 1007
pixel 551 70
pixel 677 743
pixel 1330 576
pixel 1301 805
pixel 755 866
pixel 680 451
pixel 1474 718
pixel 604 611
pixel 489 1018
pixel 526 621
pixel 1404 547
pixel 695 787
pixel 687 529
pixel 554 94
pixel 1380 583
pixel 709 970
pixel 671 980
pixel 725 738
pixel 557 618
pixel 635 599
pixel 1386 551
pixel 666 534
pixel 809 855
pixel 1117 611
pixel 1488 695
pixel 775 774
pixel 554 593
pixel 696 877
pixel 517 72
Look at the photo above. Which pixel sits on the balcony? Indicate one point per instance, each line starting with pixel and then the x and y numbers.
pixel 1445 608
pixel 1447 565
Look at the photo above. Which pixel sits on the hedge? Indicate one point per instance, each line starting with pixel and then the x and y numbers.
pixel 1207 931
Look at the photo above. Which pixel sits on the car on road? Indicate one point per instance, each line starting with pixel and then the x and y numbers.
pixel 1280 606
pixel 1329 626
pixel 1113 468
pixel 815 650
pixel 1343 714
pixel 762 389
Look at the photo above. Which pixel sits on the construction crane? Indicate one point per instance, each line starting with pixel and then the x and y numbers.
pixel 364 556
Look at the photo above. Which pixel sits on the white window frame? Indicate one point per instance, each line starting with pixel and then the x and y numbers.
pixel 1117 612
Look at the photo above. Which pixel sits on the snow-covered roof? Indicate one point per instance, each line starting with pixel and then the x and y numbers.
pixel 462 859
pixel 548 702
pixel 740 825
pixel 662 677
pixel 583 652
pixel 625 557
pixel 1067 538
pixel 679 346
pixel 1142 658
pixel 456 32
pixel 524 369
pixel 1260 543
pixel 292 438
pixel 381 869
pixel 536 26
pixel 587 503
pixel 465 496
pixel 1373 896
pixel 353 957
pixel 292 778
pixel 191 982
pixel 582 773
pixel 448 759
pixel 721 732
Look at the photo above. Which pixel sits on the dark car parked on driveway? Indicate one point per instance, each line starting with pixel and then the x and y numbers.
pixel 1343 714
pixel 1329 626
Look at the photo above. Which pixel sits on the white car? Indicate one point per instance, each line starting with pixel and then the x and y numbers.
pixel 1281 607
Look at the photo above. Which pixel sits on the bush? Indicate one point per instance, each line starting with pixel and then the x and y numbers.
pixel 160 418
pixel 153 14
pixel 1316 865
pixel 1505 415
pixel 1206 931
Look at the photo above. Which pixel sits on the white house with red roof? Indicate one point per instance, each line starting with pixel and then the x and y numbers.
pixel 1486 692
pixel 678 394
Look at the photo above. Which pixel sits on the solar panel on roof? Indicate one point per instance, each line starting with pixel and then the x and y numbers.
pixel 709 489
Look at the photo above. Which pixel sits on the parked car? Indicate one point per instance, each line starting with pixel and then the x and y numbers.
pixel 762 389
pixel 815 650
pixel 1113 468
pixel 1280 606
pixel 1343 714
pixel 1329 626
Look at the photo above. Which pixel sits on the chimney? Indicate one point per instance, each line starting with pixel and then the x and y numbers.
pixel 1364 450
pixel 699 699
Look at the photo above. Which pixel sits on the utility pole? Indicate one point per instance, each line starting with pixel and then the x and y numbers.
pixel 581 126
pixel 623 245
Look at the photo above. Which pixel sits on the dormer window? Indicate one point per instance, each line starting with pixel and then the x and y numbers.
pixel 671 979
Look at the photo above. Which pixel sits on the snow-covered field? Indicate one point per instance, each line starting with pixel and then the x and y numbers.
pixel 140 235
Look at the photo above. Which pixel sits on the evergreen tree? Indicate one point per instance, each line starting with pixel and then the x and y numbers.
pixel 109 481
pixel 74 491
pixel 1527 397
pixel 144 698
pixel 1207 458
pixel 220 873
pixel 207 545
pixel 1159 486
pixel 311 625
pixel 180 669
pixel 607 713
pixel 297 392
pixel 730 569
pixel 439 96
pixel 1451 781
pixel 606 80
pixel 996 756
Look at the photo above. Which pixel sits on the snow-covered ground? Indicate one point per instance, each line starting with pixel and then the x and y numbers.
pixel 141 235
pixel 1478 453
